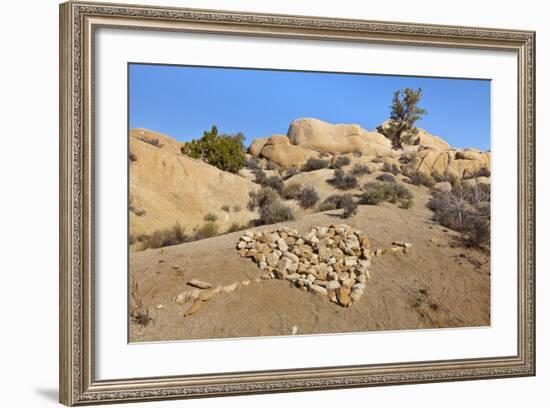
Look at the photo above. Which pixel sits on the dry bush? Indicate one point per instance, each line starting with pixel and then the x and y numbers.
pixel 225 208
pixel 292 191
pixel 210 217
pixel 360 169
pixel 275 182
pixel 374 193
pixel 259 175
pixel 388 178
pixel 290 172
pixel 390 168
pixel 153 142
pixel 271 165
pixel 340 201
pixel 308 197
pixel 343 180
pixel 173 235
pixel 264 196
pixel 208 230
pixel 275 212
pixel 138 312
pixel 340 162
pixel 420 179
pixel 236 208
pixel 253 163
pixel 132 157
pixel 315 164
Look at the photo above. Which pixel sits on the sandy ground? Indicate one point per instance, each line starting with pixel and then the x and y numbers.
pixel 437 284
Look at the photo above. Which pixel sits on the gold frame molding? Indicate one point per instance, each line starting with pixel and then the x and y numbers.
pixel 78 22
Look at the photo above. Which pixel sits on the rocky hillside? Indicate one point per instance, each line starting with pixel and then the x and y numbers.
pixel 167 187
pixel 427 154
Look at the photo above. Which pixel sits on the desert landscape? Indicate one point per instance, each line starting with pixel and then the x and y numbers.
pixel 330 228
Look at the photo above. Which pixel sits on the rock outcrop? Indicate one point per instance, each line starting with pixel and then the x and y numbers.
pixel 324 137
pixel 278 149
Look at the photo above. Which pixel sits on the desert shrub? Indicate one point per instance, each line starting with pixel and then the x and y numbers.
pixel 315 164
pixel 343 180
pixel 335 201
pixel 211 217
pixel 477 232
pixel 360 169
pixel 327 206
pixel 390 168
pixel 292 191
pixel 349 205
pixel 132 157
pixel 340 162
pixel 259 175
pixel 271 165
pixel 308 197
pixel 131 239
pixel 275 182
pixel 173 235
pixel 236 227
pixel 225 208
pixel 378 159
pixel 208 230
pixel 388 178
pixel 225 152
pixel 253 163
pixel 357 153
pixel 262 197
pixel 420 179
pixel 290 172
pixel 374 193
pixel 236 208
pixel 275 212
pixel 465 209
pixel 138 312
pixel 153 142
pixel 482 172
pixel 406 203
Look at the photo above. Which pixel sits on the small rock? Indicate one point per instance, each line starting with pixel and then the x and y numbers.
pixel 199 284
pixel 159 306
pixel 318 290
pixel 230 288
pixel 332 285
pixel 294 330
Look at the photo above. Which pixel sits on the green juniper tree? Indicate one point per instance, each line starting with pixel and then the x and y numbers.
pixel 225 152
pixel 404 114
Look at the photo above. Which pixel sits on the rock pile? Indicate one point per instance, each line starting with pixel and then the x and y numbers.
pixel 330 260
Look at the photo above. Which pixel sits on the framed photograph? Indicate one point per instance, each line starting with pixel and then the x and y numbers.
pixel 255 203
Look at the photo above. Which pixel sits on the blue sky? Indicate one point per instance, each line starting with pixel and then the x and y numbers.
pixel 183 101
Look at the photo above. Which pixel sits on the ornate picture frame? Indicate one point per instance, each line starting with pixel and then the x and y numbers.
pixel 78 24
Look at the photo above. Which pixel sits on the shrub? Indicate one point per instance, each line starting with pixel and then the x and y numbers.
pixel 264 196
pixel 253 163
pixel 465 209
pixel 308 197
pixel 259 175
pixel 349 206
pixel 357 153
pixel 292 191
pixel 374 193
pixel 378 159
pixel 151 141
pixel 315 164
pixel 344 181
pixel 208 230
pixel 390 168
pixel 138 313
pixel 271 165
pixel 210 217
pixel 132 157
pixel 340 162
pixel 275 182
pixel 388 178
pixel 225 152
pixel 477 232
pixel 290 172
pixel 137 211
pixel 236 227
pixel 275 212
pixel 483 172
pixel 166 237
pixel 360 169
pixel 327 206
pixel 420 179
pixel 225 208
pixel 236 208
